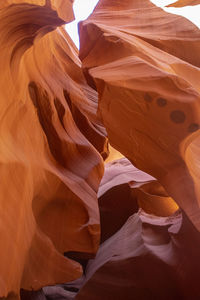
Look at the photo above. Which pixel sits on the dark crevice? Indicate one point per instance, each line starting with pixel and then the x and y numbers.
pixel 86 128
pixel 81 258
pixel 89 79
pixel 32 295
pixel 114 212
pixel 68 99
pixel 42 104
pixel 60 110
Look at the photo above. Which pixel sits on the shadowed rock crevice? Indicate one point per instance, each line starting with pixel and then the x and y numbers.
pixel 99 153
pixel 42 104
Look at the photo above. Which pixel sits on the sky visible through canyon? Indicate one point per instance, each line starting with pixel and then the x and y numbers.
pixel 83 8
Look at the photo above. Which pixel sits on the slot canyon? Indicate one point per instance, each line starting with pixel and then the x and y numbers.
pixel 99 152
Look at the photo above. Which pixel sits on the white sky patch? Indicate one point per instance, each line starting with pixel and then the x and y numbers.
pixel 83 8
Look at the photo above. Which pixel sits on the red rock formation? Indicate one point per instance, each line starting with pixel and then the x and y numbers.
pixel 142 256
pixel 141 77
pixel 181 3
pixel 122 190
pixel 148 258
pixel 50 166
pixel 147 78
pixel 138 189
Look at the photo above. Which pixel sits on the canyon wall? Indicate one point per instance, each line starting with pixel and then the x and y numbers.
pixel 51 149
pixel 64 196
pixel 147 79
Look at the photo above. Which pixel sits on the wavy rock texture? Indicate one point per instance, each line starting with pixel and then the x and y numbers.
pixel 63 8
pixel 50 146
pixel 181 3
pixel 147 78
pixel 142 256
pixel 140 76
pixel 138 189
pixel 148 258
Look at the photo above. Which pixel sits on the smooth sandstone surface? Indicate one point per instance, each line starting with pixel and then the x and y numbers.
pixel 50 146
pixel 123 190
pixel 181 3
pixel 141 256
pixel 146 259
pixel 147 79
pixel 99 153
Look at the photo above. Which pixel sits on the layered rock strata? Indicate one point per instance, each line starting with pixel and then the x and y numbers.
pixel 147 79
pixel 138 83
pixel 141 256
pixel 50 146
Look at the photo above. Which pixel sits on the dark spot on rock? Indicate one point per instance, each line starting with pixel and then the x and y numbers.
pixel 177 116
pixel 193 127
pixel 148 98
pixel 161 102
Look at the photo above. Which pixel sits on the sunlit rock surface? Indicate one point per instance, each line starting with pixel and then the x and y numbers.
pixel 99 153
pixel 147 78
pixel 181 3
pixel 50 146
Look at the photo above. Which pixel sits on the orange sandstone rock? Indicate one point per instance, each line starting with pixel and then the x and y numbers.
pixel 147 78
pixel 123 190
pixel 141 255
pixel 62 7
pixel 144 65
pixel 181 3
pixel 49 149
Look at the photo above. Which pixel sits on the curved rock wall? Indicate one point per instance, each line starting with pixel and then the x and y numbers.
pixel 50 146
pixel 136 79
pixel 147 78
pixel 142 255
